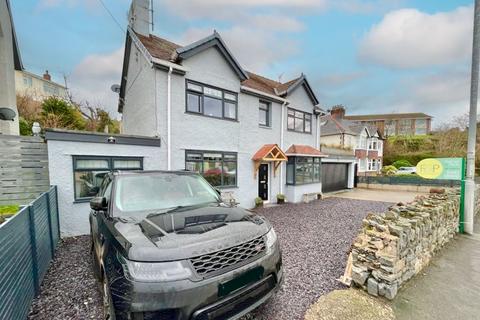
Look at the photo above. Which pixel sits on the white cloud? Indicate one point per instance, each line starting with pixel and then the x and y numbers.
pixel 226 10
pixel 92 78
pixel 340 79
pixel 255 49
pixel 409 38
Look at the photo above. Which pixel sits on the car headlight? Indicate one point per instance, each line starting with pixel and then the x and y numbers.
pixel 271 237
pixel 156 271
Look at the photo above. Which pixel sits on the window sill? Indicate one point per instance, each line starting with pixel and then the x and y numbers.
pixel 302 184
pixel 301 132
pixel 226 187
pixel 210 117
pixel 82 200
pixel 264 127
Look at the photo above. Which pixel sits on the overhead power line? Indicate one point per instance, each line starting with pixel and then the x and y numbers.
pixel 112 16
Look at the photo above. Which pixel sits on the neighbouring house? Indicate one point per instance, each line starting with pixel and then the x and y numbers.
pixel 10 60
pixel 248 135
pixel 38 87
pixel 395 124
pixel 362 141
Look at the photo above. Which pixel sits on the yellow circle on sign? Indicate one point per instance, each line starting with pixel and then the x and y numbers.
pixel 429 168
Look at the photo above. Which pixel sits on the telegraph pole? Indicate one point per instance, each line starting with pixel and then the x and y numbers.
pixel 472 125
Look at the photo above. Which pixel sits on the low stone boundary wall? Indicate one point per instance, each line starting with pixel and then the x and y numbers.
pixel 393 247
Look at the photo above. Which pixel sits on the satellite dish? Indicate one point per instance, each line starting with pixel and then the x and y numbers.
pixel 7 114
pixel 115 88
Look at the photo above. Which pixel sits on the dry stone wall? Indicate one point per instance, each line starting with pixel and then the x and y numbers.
pixel 392 247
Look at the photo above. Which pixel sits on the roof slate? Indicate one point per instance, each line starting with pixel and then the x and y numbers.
pixel 166 50
pixel 301 149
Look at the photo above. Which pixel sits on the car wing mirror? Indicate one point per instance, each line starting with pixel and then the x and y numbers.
pixel 98 203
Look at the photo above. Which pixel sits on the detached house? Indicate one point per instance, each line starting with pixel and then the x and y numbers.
pixel 246 134
pixel 364 142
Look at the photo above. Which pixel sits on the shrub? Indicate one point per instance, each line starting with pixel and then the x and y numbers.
pixel 402 163
pixel 280 198
pixel 7 211
pixel 258 202
pixel 389 170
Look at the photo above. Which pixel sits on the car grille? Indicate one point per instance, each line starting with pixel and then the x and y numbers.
pixel 217 261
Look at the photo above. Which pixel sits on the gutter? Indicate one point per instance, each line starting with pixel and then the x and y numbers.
pixel 282 125
pixel 169 119
pixel 264 94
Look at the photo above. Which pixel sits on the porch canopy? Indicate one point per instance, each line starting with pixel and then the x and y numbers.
pixel 269 153
pixel 300 150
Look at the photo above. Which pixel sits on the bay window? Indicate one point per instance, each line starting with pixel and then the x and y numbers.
pixel 303 170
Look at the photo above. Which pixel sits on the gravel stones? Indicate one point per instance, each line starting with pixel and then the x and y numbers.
pixel 69 289
pixel 315 239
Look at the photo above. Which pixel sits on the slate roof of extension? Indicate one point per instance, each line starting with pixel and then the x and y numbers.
pixel 166 50
pixel 389 116
pixel 336 126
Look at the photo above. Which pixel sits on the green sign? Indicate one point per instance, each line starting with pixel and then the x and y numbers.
pixel 441 168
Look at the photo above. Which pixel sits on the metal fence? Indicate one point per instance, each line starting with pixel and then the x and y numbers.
pixel 27 245
pixel 407 180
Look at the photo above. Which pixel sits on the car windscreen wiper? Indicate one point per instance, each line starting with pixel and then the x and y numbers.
pixel 177 208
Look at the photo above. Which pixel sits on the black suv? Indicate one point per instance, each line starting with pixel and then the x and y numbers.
pixel 166 247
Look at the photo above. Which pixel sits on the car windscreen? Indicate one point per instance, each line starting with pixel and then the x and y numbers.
pixel 137 195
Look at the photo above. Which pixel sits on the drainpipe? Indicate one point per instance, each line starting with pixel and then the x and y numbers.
pixel 169 118
pixel 282 125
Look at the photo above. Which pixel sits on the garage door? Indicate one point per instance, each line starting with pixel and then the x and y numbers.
pixel 334 176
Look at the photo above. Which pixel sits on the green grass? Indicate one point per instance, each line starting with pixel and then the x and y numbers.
pixel 7 211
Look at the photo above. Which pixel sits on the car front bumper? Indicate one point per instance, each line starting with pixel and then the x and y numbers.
pixel 198 300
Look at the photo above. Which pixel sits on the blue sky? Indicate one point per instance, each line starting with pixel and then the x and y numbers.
pixel 371 56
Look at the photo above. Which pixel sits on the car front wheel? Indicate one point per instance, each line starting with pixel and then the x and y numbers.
pixel 108 308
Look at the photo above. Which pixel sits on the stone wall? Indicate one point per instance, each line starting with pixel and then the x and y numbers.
pixel 394 246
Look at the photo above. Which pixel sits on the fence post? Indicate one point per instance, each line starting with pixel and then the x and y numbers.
pixel 33 244
pixel 50 230
pixel 57 212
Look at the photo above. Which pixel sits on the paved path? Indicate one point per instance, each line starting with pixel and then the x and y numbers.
pixel 449 288
pixel 376 195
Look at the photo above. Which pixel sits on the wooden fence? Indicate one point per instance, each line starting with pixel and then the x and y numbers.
pixel 27 245
pixel 23 169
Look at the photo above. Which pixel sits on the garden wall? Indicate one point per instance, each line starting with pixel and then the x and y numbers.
pixel 393 247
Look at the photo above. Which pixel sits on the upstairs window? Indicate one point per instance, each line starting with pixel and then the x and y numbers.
pixel 390 128
pixel 299 121
pixel 373 145
pixel 420 126
pixel 405 127
pixel 264 114
pixel 210 101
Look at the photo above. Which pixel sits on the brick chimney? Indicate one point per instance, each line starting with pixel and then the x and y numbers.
pixel 139 17
pixel 337 112
pixel 47 76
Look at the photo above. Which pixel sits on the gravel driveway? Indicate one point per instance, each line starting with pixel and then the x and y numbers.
pixel 314 237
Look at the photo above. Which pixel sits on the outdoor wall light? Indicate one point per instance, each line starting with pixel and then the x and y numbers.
pixel 36 129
